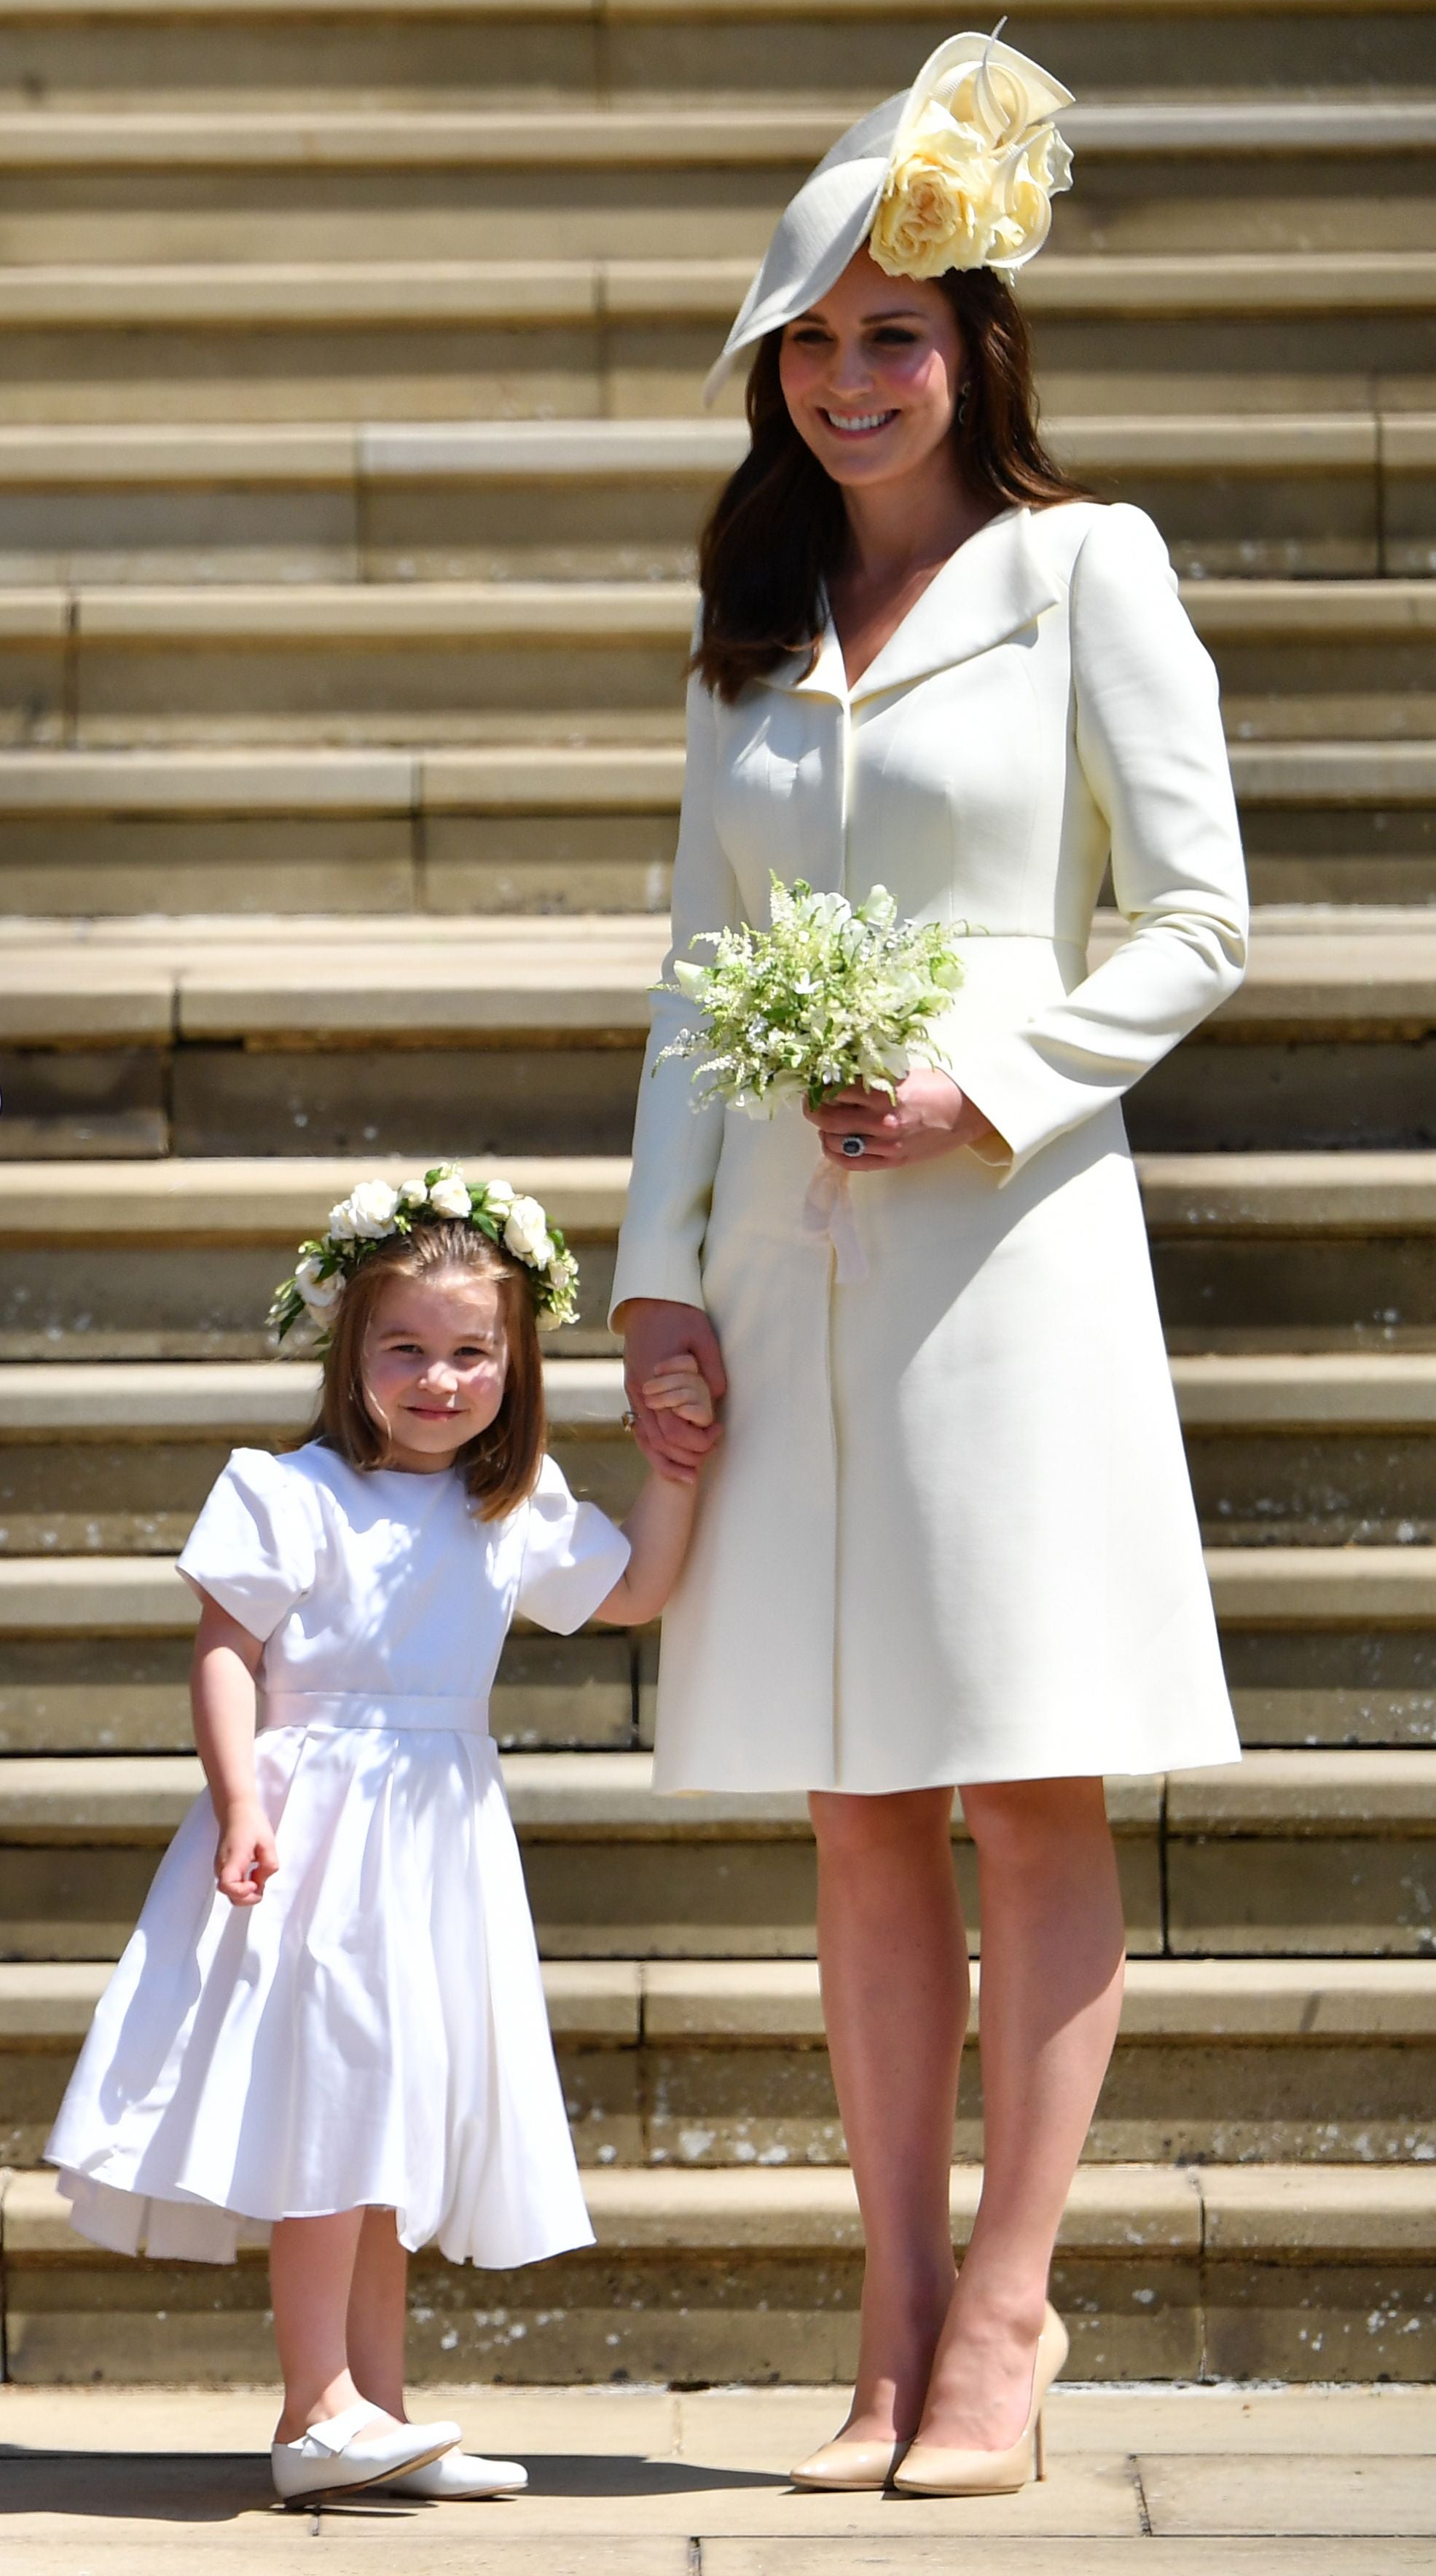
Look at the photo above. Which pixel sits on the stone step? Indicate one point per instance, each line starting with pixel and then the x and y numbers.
pixel 448 663
pixel 613 1871
pixel 238 341
pixel 115 1460
pixel 702 2063
pixel 509 828
pixel 104 1459
pixel 1286 176
pixel 175 1259
pixel 1224 2271
pixel 1324 1646
pixel 635 54
pixel 1287 1854
pixel 1326 493
pixel 524 1034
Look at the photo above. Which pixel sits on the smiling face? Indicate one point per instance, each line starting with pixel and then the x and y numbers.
pixel 435 1363
pixel 871 374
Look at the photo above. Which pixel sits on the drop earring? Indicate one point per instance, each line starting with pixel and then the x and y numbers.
pixel 964 402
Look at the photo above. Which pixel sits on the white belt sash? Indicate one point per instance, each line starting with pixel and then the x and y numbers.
pixel 396 1715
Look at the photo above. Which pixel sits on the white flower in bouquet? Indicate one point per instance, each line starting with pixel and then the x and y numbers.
pixel 832 995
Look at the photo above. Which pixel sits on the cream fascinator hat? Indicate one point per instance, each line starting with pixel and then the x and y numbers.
pixel 959 172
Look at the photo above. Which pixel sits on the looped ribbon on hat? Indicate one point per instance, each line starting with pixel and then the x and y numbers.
pixel 828 1209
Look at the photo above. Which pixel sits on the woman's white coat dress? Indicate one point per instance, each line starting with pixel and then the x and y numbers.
pixel 949 1535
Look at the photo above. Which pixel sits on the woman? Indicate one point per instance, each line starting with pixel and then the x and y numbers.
pixel 949 1542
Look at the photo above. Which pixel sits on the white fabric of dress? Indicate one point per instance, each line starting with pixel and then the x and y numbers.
pixel 373 2033
pixel 949 1534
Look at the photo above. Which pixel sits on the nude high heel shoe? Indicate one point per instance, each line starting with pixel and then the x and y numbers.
pixel 851 2468
pixel 931 2471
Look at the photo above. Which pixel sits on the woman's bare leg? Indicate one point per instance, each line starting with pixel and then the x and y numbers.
pixel 1052 1960
pixel 378 2313
pixel 311 2266
pixel 895 1998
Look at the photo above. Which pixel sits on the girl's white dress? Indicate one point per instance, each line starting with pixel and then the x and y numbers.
pixel 373 2032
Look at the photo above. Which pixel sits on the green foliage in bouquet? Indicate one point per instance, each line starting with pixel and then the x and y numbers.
pixel 834 994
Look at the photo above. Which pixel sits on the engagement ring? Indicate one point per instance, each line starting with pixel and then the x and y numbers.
pixel 853 1146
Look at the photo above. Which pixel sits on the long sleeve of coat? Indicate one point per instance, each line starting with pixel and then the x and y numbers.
pixel 1149 741
pixel 675 1145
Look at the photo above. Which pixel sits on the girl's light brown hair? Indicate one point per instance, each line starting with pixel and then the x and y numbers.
pixel 777 531
pixel 500 1468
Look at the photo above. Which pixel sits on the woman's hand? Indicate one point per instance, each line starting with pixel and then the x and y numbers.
pixel 930 1116
pixel 659 1335
pixel 247 1857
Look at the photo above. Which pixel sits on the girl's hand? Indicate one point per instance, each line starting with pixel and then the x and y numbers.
pixel 680 1387
pixel 246 1857
pixel 930 1116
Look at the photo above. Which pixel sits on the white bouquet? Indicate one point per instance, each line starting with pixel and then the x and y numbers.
pixel 834 994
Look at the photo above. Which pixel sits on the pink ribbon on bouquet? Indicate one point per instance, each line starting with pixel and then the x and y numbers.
pixel 828 1209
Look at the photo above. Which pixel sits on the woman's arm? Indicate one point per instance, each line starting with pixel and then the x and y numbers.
pixel 222 1701
pixel 1150 744
pixel 661 1522
pixel 657 1286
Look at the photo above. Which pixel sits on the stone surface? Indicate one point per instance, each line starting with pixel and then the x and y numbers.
pixel 114 2481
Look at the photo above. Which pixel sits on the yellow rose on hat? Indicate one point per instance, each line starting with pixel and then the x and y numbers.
pixel 975 164
pixel 939 209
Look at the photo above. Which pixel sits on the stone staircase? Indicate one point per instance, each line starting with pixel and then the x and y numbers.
pixel 350 456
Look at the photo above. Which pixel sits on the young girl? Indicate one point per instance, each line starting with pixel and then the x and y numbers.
pixel 351 2053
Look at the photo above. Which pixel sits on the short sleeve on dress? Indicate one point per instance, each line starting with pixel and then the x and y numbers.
pixel 573 1556
pixel 252 1549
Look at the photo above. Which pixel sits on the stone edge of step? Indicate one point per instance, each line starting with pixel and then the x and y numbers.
pixel 1272 2212
pixel 561 1797
pixel 707 2003
pixel 691 450
pixel 681 137
pixel 596 294
pixel 148 984
pixel 619 612
pixel 562 778
pixel 248 1199
pixel 1294 1392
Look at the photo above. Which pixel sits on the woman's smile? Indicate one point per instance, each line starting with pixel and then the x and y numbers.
pixel 858 424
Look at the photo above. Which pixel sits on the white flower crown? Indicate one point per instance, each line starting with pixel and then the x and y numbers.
pixel 375 1211
pixel 975 164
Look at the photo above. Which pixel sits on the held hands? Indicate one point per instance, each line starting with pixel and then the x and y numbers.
pixel 246 1857
pixel 930 1116
pixel 674 1378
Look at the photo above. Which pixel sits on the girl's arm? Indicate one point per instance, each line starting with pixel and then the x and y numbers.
pixel 660 1524
pixel 226 1659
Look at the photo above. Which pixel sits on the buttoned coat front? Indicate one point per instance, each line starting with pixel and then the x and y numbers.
pixel 949 1535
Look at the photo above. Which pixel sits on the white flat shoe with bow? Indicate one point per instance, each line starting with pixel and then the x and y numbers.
pixel 459 2477
pixel 359 2447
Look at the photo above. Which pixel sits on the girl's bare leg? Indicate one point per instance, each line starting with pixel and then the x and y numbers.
pixel 895 1998
pixel 378 2313
pixel 1052 1961
pixel 311 2265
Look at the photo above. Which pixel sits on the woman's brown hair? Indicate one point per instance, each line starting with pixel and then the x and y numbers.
pixel 500 1468
pixel 776 532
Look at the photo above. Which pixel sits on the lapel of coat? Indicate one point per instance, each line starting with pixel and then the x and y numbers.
pixel 991 588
